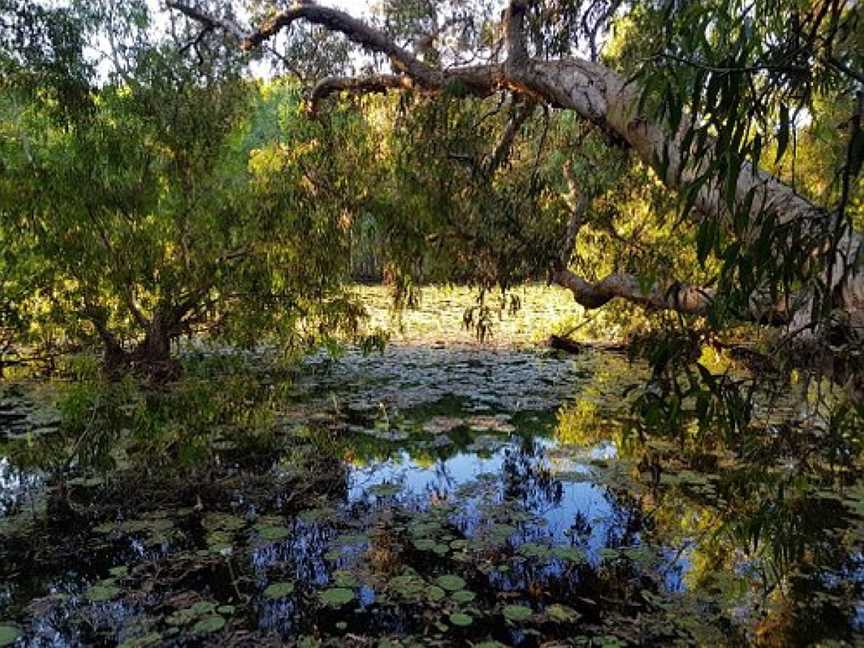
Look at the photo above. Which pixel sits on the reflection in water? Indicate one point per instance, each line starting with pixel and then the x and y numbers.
pixel 465 514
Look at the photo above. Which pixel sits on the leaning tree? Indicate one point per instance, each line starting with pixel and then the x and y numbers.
pixel 709 90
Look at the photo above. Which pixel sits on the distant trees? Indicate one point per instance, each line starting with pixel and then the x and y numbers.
pixel 163 206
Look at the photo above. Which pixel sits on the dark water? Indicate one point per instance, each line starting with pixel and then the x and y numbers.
pixel 426 496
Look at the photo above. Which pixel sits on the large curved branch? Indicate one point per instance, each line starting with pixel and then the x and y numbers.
pixel 690 300
pixel 477 80
pixel 334 20
pixel 681 298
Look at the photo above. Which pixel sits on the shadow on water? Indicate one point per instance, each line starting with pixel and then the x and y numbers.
pixel 423 496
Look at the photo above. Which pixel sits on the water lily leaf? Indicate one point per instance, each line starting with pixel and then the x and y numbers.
pixel 435 593
pixel 150 639
pixel 441 549
pixel 202 607
pixel 517 612
pixel 209 624
pixel 279 590
pixel 101 593
pixel 223 522
pixel 317 514
pixel 407 585
pixel 272 533
pixel 181 617
pixel 500 533
pixel 569 554
pixel 424 544
pixel 562 613
pixel 336 596
pixel 463 596
pixel 533 550
pixel 461 619
pixel 451 582
pixel 9 635
pixel 345 579
pixel 119 571
pixel 226 609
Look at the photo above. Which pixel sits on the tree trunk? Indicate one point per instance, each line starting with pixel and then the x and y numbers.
pixel 150 357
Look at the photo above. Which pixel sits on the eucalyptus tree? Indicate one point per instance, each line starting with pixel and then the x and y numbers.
pixel 158 205
pixel 711 96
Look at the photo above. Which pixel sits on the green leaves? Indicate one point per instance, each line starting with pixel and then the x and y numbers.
pixel 279 590
pixel 9 635
pixel 336 596
pixel 517 613
pixel 450 582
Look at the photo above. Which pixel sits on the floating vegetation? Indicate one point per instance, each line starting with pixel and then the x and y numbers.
pixel 103 591
pixel 450 582
pixel 517 613
pixel 337 596
pixel 278 590
pixel 209 624
pixel 512 532
pixel 561 613
pixel 461 619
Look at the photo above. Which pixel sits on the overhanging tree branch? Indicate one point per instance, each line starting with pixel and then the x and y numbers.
pixel 607 100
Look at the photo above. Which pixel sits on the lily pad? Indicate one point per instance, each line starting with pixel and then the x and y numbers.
pixel 223 522
pixel 150 639
pixel 317 514
pixel 337 596
pixel 517 612
pixel 209 624
pixel 409 586
pixel 461 619
pixel 562 613
pixel 9 635
pixel 463 596
pixel 533 550
pixel 345 579
pixel 272 533
pixel 569 554
pixel 202 607
pixel 279 590
pixel 102 593
pixel 435 593
pixel 451 582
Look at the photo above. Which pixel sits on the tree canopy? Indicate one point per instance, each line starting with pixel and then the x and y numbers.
pixel 702 158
